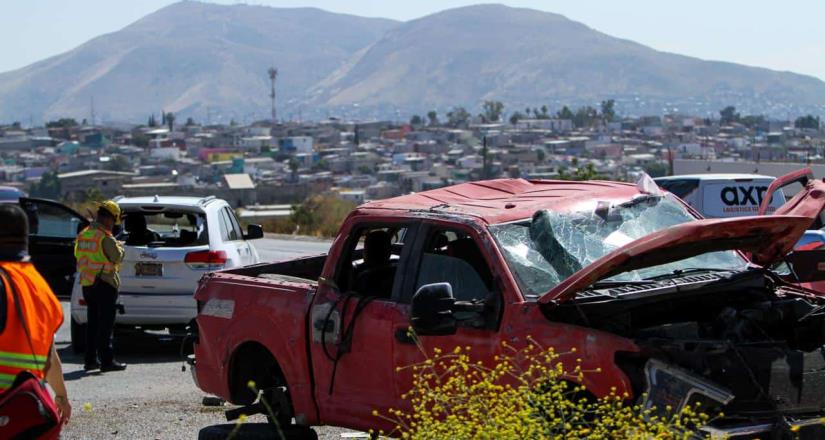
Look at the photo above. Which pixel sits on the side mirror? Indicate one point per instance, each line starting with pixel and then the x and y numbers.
pixel 253 232
pixel 432 310
pixel 808 265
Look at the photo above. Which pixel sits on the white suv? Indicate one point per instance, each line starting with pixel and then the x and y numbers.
pixel 170 243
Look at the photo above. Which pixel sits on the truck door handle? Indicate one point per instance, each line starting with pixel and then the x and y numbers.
pixel 403 336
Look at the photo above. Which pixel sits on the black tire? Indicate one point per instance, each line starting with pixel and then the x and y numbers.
pixel 78 337
pixel 256 431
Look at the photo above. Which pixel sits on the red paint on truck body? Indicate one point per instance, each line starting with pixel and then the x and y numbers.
pixel 279 314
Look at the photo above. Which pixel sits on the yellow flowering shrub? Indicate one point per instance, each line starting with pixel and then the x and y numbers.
pixel 527 394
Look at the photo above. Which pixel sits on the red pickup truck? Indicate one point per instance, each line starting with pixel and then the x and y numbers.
pixel 667 306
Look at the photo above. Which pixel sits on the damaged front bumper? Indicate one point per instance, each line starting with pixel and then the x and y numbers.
pixel 670 389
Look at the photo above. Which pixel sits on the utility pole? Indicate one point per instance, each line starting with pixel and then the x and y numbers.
pixel 485 153
pixel 93 110
pixel 273 75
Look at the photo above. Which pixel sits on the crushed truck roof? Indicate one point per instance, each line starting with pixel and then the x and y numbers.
pixel 505 200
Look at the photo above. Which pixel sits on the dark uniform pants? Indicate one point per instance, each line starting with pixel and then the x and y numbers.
pixel 101 305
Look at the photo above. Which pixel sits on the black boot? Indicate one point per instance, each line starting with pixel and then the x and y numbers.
pixel 113 366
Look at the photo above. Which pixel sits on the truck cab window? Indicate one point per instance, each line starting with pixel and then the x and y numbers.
pixel 454 257
pixel 371 263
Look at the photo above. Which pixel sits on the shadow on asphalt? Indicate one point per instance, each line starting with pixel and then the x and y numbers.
pixel 132 348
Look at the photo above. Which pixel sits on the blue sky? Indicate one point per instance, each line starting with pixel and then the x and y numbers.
pixel 787 35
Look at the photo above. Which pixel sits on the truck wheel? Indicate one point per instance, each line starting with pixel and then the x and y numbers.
pixel 78 337
pixel 256 431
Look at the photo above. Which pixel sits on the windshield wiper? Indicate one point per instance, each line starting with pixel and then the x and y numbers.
pixel 680 272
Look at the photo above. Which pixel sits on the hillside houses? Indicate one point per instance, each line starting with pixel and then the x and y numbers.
pixel 272 165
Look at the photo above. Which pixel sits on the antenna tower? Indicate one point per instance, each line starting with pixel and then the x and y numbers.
pixel 273 75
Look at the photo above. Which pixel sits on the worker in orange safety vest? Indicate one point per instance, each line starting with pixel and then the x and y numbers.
pixel 40 310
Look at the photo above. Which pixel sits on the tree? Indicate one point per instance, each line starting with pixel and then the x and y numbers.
pixel 432 115
pixel 728 115
pixel 543 114
pixel 152 122
pixel 808 121
pixel 140 139
pixel 753 121
pixel 119 163
pixel 170 121
pixel 48 187
pixel 492 110
pixel 293 168
pixel 62 123
pixel 585 116
pixel 656 169
pixel 416 121
pixel 93 194
pixel 190 122
pixel 540 155
pixel 16 125
pixel 587 172
pixel 608 111
pixel 515 117
pixel 458 116
pixel 565 113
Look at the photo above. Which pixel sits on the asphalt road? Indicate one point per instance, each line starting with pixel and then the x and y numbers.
pixel 278 249
pixel 153 398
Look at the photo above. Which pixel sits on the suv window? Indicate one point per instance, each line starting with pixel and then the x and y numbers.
pixel 454 257
pixel 169 228
pixel 50 220
pixel 233 221
pixel 230 231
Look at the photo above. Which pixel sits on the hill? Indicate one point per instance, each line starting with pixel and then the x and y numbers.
pixel 209 61
pixel 187 57
pixel 470 54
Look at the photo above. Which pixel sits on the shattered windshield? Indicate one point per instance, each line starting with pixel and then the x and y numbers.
pixel 544 250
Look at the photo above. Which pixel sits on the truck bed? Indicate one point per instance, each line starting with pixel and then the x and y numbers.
pixel 250 313
pixel 301 270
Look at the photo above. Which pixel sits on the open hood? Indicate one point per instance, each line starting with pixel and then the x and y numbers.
pixel 767 239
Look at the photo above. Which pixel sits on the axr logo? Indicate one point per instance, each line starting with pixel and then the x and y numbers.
pixel 743 195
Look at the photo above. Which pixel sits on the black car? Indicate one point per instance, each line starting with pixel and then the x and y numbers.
pixel 53 227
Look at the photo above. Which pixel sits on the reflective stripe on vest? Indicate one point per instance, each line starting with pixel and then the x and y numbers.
pixel 22 360
pixel 91 260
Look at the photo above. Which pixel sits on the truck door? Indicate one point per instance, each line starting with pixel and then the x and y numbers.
pixel 352 320
pixel 454 254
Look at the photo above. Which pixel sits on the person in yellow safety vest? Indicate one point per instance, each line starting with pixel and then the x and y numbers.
pixel 27 345
pixel 99 256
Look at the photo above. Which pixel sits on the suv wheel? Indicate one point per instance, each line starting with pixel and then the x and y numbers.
pixel 256 431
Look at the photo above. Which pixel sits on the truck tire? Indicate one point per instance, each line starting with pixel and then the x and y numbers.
pixel 256 431
pixel 78 337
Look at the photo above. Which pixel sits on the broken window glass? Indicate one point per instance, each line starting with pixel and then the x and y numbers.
pixel 543 251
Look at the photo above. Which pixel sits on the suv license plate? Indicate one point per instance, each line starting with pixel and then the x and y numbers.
pixel 148 269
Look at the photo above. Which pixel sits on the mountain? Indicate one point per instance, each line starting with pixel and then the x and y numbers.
pixel 187 57
pixel 470 54
pixel 210 61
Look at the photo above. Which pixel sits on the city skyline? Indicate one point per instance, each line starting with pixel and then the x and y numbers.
pixel 730 31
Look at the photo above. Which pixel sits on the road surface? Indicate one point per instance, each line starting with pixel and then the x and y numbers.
pixel 278 249
pixel 153 398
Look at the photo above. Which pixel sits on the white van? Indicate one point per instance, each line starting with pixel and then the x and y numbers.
pixel 722 195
